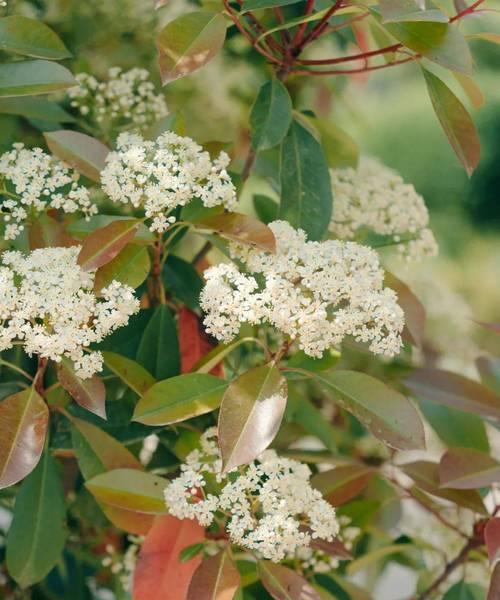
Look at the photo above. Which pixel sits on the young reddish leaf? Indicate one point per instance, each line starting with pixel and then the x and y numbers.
pixel 24 417
pixel 425 474
pixel 194 343
pixel 453 390
pixel 216 578
pixel 130 266
pixel 492 538
pixel 387 414
pixel 128 520
pixel 88 393
pixel 495 327
pixel 84 153
pixel 46 232
pixel 242 229
pixel 159 574
pixel 343 483
pixel 284 584
pixel 130 372
pixel 334 548
pixel 456 122
pixel 494 591
pixel 130 489
pixel 101 246
pixel 189 42
pixel 180 398
pixel 471 88
pixel 468 469
pixel 413 309
pixel 250 415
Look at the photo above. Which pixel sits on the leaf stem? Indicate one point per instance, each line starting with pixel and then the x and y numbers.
pixel 14 367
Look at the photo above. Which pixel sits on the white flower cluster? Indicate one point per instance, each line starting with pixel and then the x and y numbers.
pixel 47 303
pixel 124 565
pixel 315 292
pixel 376 197
pixel 126 98
pixel 271 507
pixel 164 174
pixel 34 181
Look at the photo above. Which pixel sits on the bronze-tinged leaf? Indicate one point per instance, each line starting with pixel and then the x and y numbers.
pixel 471 88
pixel 492 539
pixel 343 483
pixel 159 574
pixel 455 121
pixel 45 232
pixel 128 520
pixel 84 153
pixel 24 417
pixel 250 415
pixel 216 578
pixel 131 266
pixel 495 327
pixel 468 469
pixel 194 343
pixel 242 229
pixel 284 584
pixel 334 548
pixel 413 309
pixel 130 372
pixel 89 393
pixel 102 245
pixel 450 389
pixel 494 591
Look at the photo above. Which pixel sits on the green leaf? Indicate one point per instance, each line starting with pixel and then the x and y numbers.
pixel 394 11
pixel 387 414
pixel 88 393
pixel 271 115
pixel 259 4
pixel 189 42
pixel 158 350
pixel 191 551
pixel 83 152
pixel 180 398
pixel 305 414
pixel 455 121
pixel 104 244
pixel 36 537
pixel 464 591
pixel 241 228
pixel 283 583
pixel 130 372
pixel 339 147
pixel 250 414
pixel 215 578
pixel 466 469
pixel 266 208
pixel 343 483
pixel 35 108
pixel 183 281
pixel 218 354
pixel 30 37
pixel 33 77
pixel 130 489
pixel 130 266
pixel 306 194
pixel 24 417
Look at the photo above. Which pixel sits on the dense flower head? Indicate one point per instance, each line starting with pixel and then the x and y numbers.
pixel 314 292
pixel 166 173
pixel 48 304
pixel 34 181
pixel 126 98
pixel 377 198
pixel 271 507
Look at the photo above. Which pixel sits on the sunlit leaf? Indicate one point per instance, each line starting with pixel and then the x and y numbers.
pixel 468 469
pixel 130 266
pixel 250 414
pixel 30 37
pixel 84 153
pixel 271 115
pixel 129 371
pixel 180 398
pixel 343 483
pixel 284 584
pixel 33 77
pixel 216 578
pixel 242 229
pixel 189 42
pixel 455 121
pixel 89 393
pixel 37 534
pixel 24 417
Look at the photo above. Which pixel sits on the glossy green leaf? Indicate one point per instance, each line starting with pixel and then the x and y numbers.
pixel 250 414
pixel 130 266
pixel 284 584
pixel 183 281
pixel 339 147
pixel 343 483
pixel 455 121
pixel 84 153
pixel 306 194
pixel 265 207
pixel 30 37
pixel 387 414
pixel 216 578
pixel 271 115
pixel 36 537
pixel 33 77
pixel 24 417
pixel 130 489
pixel 35 108
pixel 129 371
pixel 89 393
pixel 219 353
pixel 260 4
pixel 158 350
pixel 189 42
pixel 104 244
pixel 241 228
pixel 305 414
pixel 394 11
pixel 180 398
pixel 464 591
pixel 468 469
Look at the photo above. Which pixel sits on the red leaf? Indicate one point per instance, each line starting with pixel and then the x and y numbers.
pixel 492 538
pixel 217 578
pixel 494 591
pixel 159 574
pixel 88 393
pixel 193 342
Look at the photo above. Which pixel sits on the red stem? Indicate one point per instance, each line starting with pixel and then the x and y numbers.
pixel 342 59
pixel 354 71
